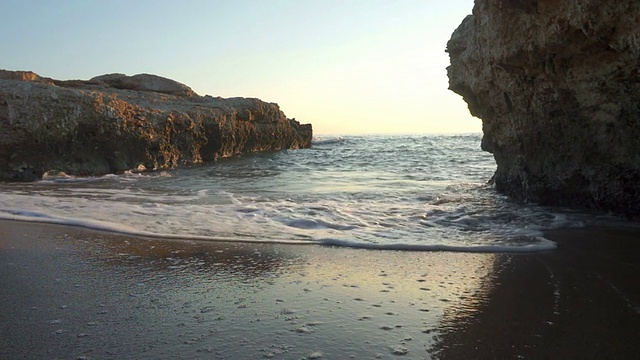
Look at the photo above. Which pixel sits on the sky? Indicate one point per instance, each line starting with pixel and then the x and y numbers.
pixel 346 66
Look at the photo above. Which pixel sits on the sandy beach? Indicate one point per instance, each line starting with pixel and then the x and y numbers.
pixel 72 293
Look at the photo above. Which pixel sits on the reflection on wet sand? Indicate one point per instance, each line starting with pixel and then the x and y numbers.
pixel 472 301
pixel 97 295
pixel 578 302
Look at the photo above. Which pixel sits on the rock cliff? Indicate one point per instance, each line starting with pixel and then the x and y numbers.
pixel 114 123
pixel 557 85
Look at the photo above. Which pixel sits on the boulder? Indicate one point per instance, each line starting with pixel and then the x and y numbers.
pixel 557 86
pixel 115 123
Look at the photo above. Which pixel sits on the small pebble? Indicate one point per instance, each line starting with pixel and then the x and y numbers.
pixel 399 350
pixel 303 330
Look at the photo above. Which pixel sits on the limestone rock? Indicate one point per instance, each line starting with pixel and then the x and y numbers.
pixel 557 85
pixel 145 82
pixel 117 123
pixel 19 75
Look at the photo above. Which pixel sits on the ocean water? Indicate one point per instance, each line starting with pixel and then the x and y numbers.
pixel 418 193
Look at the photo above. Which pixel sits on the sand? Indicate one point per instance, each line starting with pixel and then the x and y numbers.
pixel 72 293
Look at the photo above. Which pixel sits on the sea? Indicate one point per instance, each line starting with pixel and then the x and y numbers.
pixel 413 193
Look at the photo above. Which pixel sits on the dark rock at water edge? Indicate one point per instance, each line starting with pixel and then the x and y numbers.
pixel 557 85
pixel 114 123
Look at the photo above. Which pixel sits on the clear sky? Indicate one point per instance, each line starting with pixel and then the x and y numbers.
pixel 346 66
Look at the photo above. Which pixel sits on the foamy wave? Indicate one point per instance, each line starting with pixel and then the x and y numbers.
pixel 127 176
pixel 30 216
pixel 377 192
pixel 542 244
pixel 318 224
pixel 327 140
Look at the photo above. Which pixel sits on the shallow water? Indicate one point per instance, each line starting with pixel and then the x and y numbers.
pixel 381 192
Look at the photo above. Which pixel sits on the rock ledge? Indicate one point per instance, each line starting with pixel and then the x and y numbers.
pixel 114 123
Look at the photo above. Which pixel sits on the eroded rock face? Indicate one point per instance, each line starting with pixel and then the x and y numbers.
pixel 557 85
pixel 117 123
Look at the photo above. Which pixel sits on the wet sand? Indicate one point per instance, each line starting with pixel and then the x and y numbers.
pixel 581 301
pixel 71 293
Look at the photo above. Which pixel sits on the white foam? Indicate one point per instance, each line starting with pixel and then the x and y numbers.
pixel 543 244
pixel 317 224
pixel 31 216
pixel 327 140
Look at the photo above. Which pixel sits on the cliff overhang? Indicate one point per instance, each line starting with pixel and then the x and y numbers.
pixel 557 86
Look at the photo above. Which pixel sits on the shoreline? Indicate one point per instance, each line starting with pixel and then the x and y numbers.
pixel 475 249
pixel 77 293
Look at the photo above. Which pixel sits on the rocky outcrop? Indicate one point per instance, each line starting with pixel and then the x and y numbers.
pixel 144 82
pixel 557 85
pixel 115 123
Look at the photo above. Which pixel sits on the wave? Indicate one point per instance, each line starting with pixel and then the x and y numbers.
pixel 541 244
pixel 317 141
pixel 30 216
pixel 317 224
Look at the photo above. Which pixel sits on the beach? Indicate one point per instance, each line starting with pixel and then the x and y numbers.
pixel 74 293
